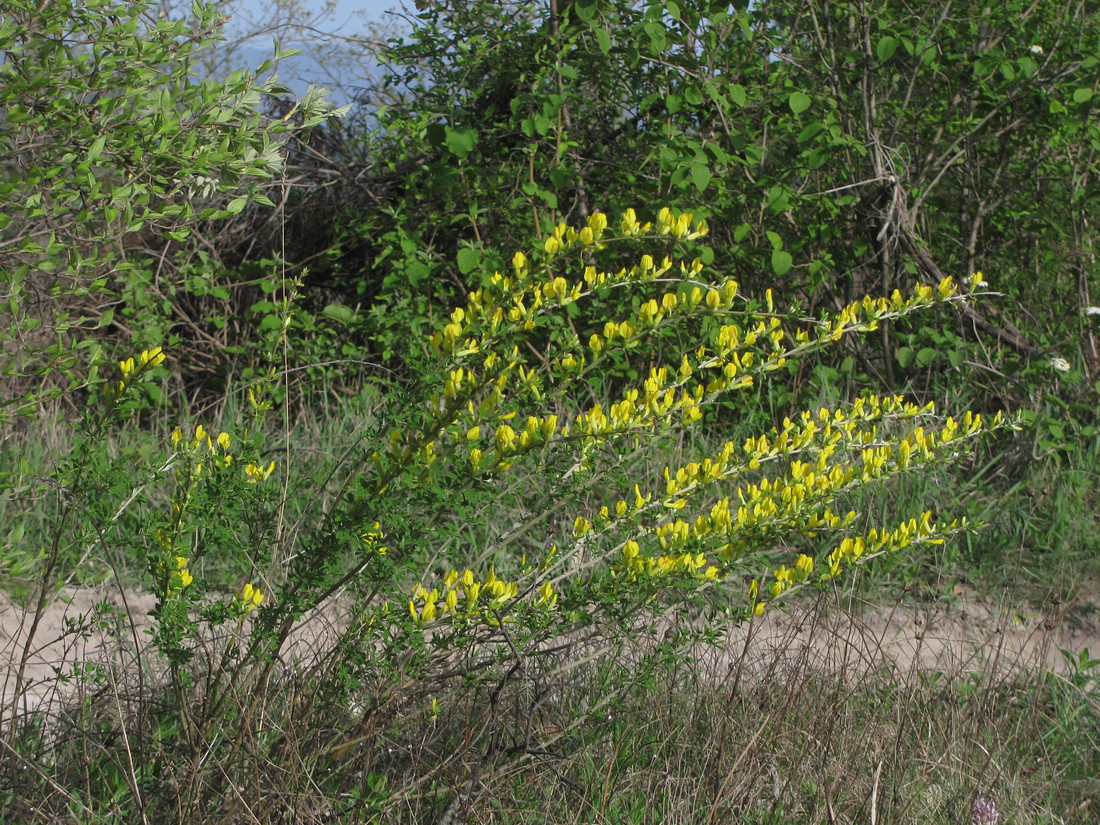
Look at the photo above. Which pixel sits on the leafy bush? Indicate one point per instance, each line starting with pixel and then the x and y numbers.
pixel 114 150
pixel 540 492
pixel 445 598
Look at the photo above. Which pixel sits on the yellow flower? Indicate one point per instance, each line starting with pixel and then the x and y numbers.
pixel 127 369
pixel 152 357
pixel 250 597
pixel 256 475
pixel 547 597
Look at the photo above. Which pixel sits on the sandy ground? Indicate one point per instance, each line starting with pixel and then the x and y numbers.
pixel 106 632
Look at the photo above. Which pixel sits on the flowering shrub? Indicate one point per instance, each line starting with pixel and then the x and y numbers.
pixel 576 539
pixel 755 521
pixel 702 520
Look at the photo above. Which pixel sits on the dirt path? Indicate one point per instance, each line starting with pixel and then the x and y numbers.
pixel 104 632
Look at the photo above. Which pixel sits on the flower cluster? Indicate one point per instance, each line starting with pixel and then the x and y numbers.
pixel 370 538
pixel 463 596
pixel 255 474
pixel 633 565
pixel 169 569
pixel 984 812
pixel 132 369
pixel 711 516
pixel 247 600
pixel 191 455
pixel 202 443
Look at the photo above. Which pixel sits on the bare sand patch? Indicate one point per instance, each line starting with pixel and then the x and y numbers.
pixel 105 632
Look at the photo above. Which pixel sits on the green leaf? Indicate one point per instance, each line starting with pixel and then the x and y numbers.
pixel 737 94
pixel 417 271
pixel 905 356
pixel 339 312
pixel 798 102
pixel 779 199
pixel 107 318
pixel 461 141
pixel 658 39
pixel 1027 66
pixel 604 41
pixel 700 176
pixel 810 132
pixel 235 206
pixel 1082 95
pixel 468 260
pixel 775 240
pixel 741 232
pixel 886 47
pixel 96 148
pixel 781 261
pixel 926 356
pixel 436 134
pixel 585 9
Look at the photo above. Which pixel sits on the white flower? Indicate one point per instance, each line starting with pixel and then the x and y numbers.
pixel 1059 364
pixel 1036 49
pixel 1092 310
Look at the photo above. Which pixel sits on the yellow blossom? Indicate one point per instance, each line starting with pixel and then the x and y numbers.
pixel 256 475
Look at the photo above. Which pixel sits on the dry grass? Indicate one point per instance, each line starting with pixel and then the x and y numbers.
pixel 815 718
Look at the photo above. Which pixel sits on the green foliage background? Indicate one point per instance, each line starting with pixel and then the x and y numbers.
pixel 263 358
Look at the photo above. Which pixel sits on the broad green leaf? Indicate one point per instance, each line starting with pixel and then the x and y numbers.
pixel 417 271
pixel 658 38
pixel 779 199
pixel 436 134
pixel 339 312
pixel 905 356
pixel 886 47
pixel 700 176
pixel 1082 95
pixel 810 132
pixel 585 9
pixel 461 141
pixel 468 260
pixel 96 149
pixel 737 94
pixel 235 206
pixel 604 41
pixel 781 261
pixel 798 102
